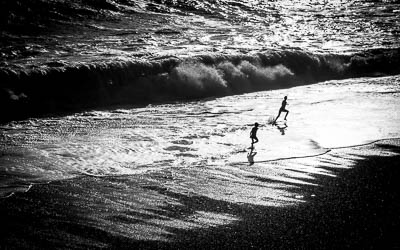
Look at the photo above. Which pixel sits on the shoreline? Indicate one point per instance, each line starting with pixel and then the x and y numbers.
pixel 357 209
pixel 84 175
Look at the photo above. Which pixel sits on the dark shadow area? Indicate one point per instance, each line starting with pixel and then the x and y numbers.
pixel 357 210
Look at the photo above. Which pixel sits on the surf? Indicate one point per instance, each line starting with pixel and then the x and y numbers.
pixel 201 134
pixel 56 89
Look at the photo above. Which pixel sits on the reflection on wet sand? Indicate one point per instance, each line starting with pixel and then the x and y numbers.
pixel 282 127
pixel 250 156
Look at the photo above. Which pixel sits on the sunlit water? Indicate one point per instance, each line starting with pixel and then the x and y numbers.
pixel 151 29
pixel 120 164
pixel 202 139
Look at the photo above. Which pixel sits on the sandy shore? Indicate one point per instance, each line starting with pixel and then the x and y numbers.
pixel 358 209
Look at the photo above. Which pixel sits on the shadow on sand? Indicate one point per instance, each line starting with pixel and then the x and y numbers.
pixel 357 210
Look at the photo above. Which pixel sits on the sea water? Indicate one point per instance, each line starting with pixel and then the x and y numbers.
pixel 210 135
pixel 59 33
pixel 131 104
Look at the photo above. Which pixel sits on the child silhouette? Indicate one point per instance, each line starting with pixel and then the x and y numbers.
pixel 253 134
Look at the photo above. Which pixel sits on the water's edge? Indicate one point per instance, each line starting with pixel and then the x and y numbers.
pixel 85 175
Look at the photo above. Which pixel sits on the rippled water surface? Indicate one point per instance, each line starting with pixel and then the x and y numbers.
pixel 91 103
pixel 77 32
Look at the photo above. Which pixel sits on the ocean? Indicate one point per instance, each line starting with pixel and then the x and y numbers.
pixel 132 118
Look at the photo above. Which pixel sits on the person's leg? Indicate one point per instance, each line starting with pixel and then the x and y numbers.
pixel 279 113
pixel 287 112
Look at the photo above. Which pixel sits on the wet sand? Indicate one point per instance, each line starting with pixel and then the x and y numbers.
pixel 358 209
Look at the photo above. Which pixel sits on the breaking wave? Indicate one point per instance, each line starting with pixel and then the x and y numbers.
pixel 64 88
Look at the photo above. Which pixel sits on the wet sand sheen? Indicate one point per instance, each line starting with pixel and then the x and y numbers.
pixel 174 174
pixel 192 141
pixel 357 209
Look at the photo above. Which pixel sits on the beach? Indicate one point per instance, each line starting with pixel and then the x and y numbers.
pixel 181 175
pixel 357 208
pixel 126 124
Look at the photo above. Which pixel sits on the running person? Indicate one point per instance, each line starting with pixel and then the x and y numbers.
pixel 283 109
pixel 253 134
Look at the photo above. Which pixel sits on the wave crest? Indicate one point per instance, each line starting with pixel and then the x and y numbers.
pixel 61 87
pixel 194 80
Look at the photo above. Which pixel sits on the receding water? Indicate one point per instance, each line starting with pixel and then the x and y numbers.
pixel 210 136
pixel 138 113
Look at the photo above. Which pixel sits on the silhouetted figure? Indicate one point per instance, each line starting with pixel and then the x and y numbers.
pixel 253 134
pixel 250 156
pixel 283 109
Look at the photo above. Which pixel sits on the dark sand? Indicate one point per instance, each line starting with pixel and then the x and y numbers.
pixel 360 209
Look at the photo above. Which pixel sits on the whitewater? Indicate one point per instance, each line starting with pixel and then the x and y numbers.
pixel 205 135
pixel 59 56
pixel 131 108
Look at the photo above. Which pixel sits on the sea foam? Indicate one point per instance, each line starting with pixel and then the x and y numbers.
pixel 70 87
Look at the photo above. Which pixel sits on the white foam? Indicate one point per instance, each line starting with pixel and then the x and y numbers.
pixel 158 137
